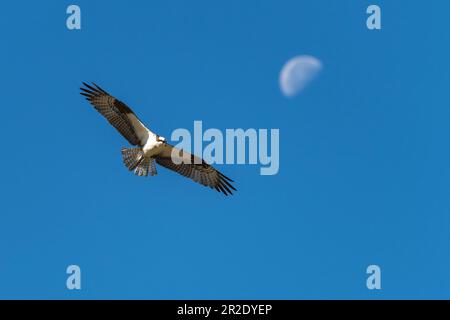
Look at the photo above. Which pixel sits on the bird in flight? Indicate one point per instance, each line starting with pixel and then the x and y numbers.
pixel 151 147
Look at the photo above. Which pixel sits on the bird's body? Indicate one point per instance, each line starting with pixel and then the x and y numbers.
pixel 150 147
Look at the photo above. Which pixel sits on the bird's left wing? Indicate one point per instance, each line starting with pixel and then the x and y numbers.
pixel 194 168
pixel 117 113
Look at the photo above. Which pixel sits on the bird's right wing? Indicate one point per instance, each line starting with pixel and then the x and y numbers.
pixel 194 168
pixel 117 113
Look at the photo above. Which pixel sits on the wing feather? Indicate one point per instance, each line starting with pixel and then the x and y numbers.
pixel 118 114
pixel 194 168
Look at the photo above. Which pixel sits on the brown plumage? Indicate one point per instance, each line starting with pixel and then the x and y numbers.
pixel 194 168
pixel 115 111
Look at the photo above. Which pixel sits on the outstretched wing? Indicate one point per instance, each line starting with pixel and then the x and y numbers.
pixel 117 113
pixel 194 168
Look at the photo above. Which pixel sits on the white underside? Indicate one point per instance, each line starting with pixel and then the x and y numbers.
pixel 151 146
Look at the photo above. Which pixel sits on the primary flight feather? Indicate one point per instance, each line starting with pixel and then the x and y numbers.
pixel 150 147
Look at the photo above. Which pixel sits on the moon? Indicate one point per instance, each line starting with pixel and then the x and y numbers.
pixel 297 73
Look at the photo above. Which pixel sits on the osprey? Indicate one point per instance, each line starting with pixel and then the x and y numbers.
pixel 151 147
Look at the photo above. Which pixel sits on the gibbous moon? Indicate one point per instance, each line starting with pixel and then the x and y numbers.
pixel 297 73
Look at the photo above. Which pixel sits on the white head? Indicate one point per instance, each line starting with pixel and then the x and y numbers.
pixel 160 140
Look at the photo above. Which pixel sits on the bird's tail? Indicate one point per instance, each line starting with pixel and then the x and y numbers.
pixel 135 160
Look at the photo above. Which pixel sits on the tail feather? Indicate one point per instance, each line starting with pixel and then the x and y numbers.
pixel 152 167
pixel 132 157
pixel 135 160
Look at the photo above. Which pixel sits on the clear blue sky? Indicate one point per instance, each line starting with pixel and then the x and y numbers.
pixel 365 162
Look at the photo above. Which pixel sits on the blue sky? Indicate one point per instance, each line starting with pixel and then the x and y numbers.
pixel 364 160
